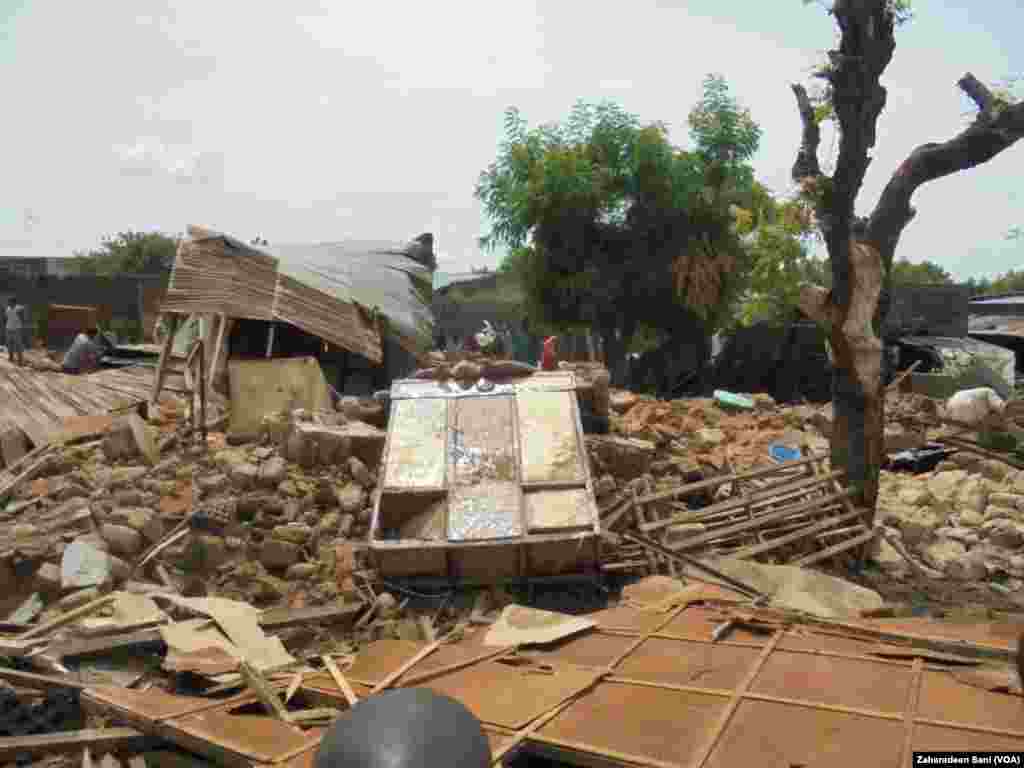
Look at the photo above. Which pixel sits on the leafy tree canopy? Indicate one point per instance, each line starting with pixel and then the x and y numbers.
pixel 922 273
pixel 129 253
pixel 612 227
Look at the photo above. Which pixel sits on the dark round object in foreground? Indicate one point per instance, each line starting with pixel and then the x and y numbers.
pixel 407 728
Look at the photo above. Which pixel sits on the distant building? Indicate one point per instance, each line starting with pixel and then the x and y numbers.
pixel 31 260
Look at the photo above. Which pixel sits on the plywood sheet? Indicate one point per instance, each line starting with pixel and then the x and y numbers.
pixel 554 510
pixel 854 683
pixel 547 430
pixel 776 735
pixel 645 722
pixel 259 387
pixel 527 692
pixel 489 510
pixel 416 451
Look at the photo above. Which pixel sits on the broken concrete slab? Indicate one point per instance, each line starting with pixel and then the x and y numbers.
pixel 131 437
pixel 799 589
pixel 259 387
pixel 521 625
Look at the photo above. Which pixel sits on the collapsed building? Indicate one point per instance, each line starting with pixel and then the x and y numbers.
pixel 362 309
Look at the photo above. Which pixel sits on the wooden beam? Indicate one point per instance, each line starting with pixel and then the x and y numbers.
pixel 768 546
pixel 761 497
pixel 99 740
pixel 757 522
pixel 165 355
pixel 714 482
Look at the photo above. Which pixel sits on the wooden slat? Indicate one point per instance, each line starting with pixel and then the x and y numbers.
pixel 835 550
pixel 768 546
pixel 781 514
pixel 766 496
pixel 98 740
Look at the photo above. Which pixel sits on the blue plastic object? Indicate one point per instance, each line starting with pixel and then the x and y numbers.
pixel 781 452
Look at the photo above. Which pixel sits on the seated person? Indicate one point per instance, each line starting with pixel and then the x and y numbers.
pixel 84 354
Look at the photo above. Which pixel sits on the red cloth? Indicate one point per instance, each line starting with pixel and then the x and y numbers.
pixel 548 360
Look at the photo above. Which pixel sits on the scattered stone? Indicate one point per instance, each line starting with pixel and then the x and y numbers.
pixel 915 495
pixel 328 524
pixel 1004 533
pixel 48 579
pixel 945 485
pixel 351 498
pixel 212 484
pixel 143 520
pixel 244 475
pixel 122 477
pixel 276 553
pixel 888 558
pixel 302 571
pixel 626 458
pixel 917 525
pixel 941 553
pixel 129 498
pixel 345 525
pixel 273 472
pixel 296 533
pixel 357 469
pixel 122 539
pixel 622 400
pixel 130 437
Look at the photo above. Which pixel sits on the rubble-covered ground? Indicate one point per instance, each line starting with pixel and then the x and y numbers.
pixel 280 522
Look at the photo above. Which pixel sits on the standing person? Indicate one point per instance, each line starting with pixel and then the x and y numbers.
pixel 14 317
pixel 84 354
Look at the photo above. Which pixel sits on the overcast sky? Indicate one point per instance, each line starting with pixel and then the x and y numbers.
pixel 309 121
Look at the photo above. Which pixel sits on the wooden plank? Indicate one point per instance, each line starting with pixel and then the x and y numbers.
pixel 714 482
pixel 98 740
pixel 78 647
pixel 324 614
pixel 340 681
pixel 780 514
pixel 38 682
pixel 835 550
pixel 165 354
pixel 768 495
pixel 771 544
pixel 67 618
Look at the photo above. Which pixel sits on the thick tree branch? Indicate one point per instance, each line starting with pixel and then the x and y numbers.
pixel 996 128
pixel 806 164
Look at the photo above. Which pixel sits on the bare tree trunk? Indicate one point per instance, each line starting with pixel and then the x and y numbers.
pixel 862 251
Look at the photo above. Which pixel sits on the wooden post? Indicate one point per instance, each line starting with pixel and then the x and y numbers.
pixel 202 391
pixel 218 346
pixel 270 338
pixel 165 354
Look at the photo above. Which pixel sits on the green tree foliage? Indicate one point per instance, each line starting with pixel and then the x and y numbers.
pixel 129 253
pixel 778 236
pixel 922 273
pixel 610 227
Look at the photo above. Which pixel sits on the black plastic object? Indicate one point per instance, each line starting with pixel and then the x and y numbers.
pixel 917 460
pixel 407 728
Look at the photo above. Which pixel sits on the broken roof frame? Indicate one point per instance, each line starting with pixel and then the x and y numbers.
pixel 523 550
pixel 330 290
pixel 652 686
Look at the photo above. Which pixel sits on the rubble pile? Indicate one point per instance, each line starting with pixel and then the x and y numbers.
pixel 964 521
